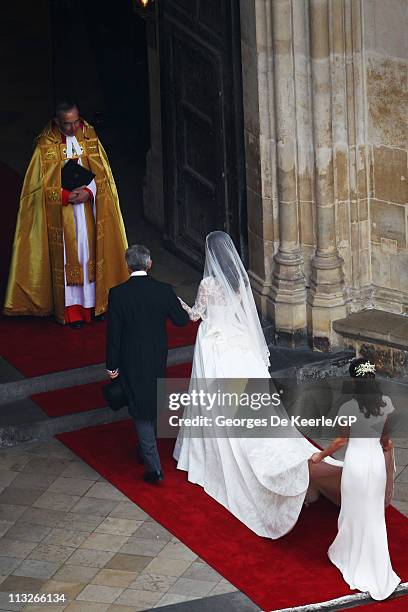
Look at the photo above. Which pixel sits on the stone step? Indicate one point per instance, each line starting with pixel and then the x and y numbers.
pixel 20 389
pixel 297 365
pixel 17 387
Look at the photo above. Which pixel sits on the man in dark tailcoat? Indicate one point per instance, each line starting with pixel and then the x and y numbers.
pixel 137 346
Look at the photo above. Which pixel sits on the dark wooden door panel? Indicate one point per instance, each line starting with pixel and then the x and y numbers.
pixel 202 138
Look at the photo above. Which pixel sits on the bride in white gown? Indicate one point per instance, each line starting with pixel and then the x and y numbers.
pixel 262 481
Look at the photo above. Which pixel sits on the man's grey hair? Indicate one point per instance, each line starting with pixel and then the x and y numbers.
pixel 137 257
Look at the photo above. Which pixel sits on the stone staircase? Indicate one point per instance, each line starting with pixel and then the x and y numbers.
pixel 21 420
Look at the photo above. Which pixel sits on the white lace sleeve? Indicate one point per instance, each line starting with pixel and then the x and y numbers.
pixel 197 311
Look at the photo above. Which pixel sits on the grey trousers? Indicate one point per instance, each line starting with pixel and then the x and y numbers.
pixel 146 431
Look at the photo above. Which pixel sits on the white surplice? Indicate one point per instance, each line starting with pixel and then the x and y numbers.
pixel 80 295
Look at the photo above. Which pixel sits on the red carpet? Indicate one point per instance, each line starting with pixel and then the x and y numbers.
pixel 88 397
pixel 291 571
pixel 11 184
pixel 38 346
pixel 392 605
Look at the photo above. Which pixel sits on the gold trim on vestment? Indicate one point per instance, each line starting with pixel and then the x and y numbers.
pixel 36 279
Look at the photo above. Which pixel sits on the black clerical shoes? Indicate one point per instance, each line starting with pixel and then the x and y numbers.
pixel 76 324
pixel 153 477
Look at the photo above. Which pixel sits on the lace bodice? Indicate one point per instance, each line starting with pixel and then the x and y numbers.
pixel 209 293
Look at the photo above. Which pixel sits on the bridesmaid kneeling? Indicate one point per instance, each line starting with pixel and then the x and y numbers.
pixel 360 549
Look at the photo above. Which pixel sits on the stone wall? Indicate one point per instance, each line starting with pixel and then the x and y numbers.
pixel 386 64
pixel 325 106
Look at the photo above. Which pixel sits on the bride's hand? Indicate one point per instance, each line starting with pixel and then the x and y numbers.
pixel 317 457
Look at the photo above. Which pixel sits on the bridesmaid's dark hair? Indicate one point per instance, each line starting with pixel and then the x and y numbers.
pixel 367 391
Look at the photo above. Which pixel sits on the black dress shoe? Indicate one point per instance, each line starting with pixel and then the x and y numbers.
pixel 76 324
pixel 101 317
pixel 153 477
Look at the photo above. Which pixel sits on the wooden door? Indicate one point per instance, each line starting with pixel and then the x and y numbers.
pixel 204 166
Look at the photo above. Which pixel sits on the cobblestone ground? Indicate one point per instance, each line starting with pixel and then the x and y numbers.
pixel 66 530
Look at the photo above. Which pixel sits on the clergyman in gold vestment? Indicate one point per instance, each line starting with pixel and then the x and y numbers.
pixel 69 246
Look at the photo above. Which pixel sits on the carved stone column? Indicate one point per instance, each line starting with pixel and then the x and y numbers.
pixel 326 299
pixel 257 80
pixel 288 282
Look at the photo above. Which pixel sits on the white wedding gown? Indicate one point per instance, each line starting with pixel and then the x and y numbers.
pixel 360 550
pixel 263 482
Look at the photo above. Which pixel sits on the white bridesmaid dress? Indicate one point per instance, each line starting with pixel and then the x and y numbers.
pixel 360 549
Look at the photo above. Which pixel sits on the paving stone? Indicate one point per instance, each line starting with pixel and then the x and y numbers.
pixel 104 541
pixel 15 548
pixel 167 567
pixel 69 589
pixel 171 599
pixel 93 558
pixel 119 608
pixel 27 532
pixel 19 497
pixel 116 578
pixel 128 563
pixel 7 477
pixel 76 573
pixel 138 546
pixel 51 448
pixel 56 501
pixel 22 584
pixel 79 469
pixel 6 605
pixel 30 480
pixel 177 550
pixel 401 456
pixel 66 537
pixel 11 461
pixel 51 552
pixel 401 491
pixel 4 527
pixel 402 476
pixel 195 588
pixel 128 510
pixel 85 606
pixel 8 565
pixel 402 506
pixel 99 593
pixel 36 569
pixel 49 607
pixel 45 466
pixel 223 587
pixel 81 522
pixel 153 582
pixel 152 531
pixel 118 526
pixel 70 486
pixel 44 516
pixel 103 490
pixel 202 571
pixel 139 600
pixel 400 442
pixel 11 512
pixel 95 506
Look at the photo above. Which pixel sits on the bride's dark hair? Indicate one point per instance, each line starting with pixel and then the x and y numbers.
pixel 367 391
pixel 218 245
